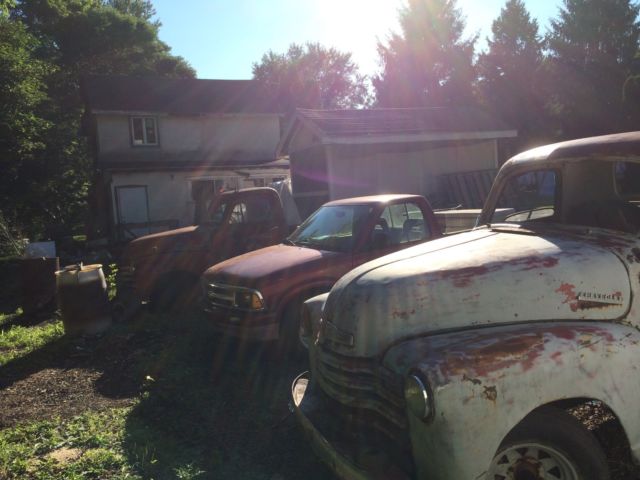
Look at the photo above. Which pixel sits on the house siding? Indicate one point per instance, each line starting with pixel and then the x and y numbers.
pixel 218 137
pixel 387 168
pixel 169 193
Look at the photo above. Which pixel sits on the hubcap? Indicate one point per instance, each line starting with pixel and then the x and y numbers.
pixel 531 461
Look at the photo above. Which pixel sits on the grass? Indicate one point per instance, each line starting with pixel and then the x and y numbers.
pixel 18 341
pixel 89 446
pixel 201 412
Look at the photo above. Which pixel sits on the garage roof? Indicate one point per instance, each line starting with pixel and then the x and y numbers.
pixel 394 124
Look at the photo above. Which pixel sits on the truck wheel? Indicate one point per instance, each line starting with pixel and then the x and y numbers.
pixel 174 294
pixel 549 444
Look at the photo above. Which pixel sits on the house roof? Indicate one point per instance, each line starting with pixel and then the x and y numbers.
pixel 387 124
pixel 176 95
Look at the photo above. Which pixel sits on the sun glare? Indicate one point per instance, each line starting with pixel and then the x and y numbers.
pixel 356 25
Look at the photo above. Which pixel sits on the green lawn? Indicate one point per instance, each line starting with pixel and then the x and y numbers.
pixel 195 408
pixel 18 341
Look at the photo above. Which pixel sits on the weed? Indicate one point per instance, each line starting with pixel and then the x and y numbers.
pixel 18 341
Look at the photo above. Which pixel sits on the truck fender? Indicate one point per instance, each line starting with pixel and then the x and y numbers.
pixel 485 381
pixel 302 292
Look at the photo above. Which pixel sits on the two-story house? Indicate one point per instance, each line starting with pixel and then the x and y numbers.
pixel 161 144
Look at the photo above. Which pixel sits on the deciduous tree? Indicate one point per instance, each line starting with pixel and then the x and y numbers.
pixel 312 76
pixel 76 38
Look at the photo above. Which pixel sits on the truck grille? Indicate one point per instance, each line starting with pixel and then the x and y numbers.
pixel 364 388
pixel 229 296
pixel 220 295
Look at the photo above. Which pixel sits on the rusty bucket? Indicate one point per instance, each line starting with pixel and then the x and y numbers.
pixel 82 299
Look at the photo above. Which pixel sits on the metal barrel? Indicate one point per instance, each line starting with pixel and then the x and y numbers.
pixel 83 300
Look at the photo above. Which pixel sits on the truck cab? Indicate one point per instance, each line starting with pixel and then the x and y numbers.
pixel 464 357
pixel 257 296
pixel 164 268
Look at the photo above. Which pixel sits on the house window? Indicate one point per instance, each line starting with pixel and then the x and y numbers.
pixel 144 131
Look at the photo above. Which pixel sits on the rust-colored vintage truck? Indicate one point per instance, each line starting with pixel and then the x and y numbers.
pixel 462 358
pixel 257 296
pixel 165 268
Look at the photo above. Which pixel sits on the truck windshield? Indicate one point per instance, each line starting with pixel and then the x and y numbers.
pixel 332 228
pixel 217 216
pixel 526 197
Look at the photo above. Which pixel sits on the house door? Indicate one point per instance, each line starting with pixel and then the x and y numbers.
pixel 133 211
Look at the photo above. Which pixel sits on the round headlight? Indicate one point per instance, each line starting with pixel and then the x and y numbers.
pixel 416 396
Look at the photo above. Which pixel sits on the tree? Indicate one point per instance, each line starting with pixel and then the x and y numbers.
pixel 312 76
pixel 428 63
pixel 631 95
pixel 591 46
pixel 509 71
pixel 77 38
pixel 142 9
pixel 22 127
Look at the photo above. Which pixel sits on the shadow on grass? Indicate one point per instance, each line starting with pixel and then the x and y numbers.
pixel 217 409
pixel 113 354
pixel 202 407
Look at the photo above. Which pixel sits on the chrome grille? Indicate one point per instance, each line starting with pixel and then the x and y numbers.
pixel 220 295
pixel 361 384
pixel 227 296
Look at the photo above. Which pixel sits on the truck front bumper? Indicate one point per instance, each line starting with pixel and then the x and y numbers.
pixel 251 326
pixel 338 454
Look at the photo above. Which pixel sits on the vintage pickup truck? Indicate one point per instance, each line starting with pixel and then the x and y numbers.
pixel 462 358
pixel 258 295
pixel 165 268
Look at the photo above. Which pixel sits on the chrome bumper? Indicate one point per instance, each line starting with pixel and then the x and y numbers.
pixel 306 404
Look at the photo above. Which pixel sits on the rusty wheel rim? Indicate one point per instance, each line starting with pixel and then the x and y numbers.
pixel 532 461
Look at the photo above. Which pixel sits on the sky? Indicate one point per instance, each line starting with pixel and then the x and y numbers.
pixel 222 39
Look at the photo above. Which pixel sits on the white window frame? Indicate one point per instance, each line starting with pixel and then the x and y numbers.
pixel 145 142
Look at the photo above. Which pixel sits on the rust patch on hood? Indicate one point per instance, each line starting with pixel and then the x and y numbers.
pixel 569 291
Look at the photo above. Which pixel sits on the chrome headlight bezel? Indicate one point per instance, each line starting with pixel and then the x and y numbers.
pixel 418 396
pixel 231 296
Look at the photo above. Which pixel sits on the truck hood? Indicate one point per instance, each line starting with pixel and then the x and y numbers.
pixel 270 264
pixel 482 277
pixel 180 239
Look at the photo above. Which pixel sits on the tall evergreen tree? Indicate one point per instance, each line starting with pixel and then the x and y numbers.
pixel 428 63
pixel 509 71
pixel 591 48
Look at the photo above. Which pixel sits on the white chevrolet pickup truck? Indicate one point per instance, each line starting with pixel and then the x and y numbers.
pixel 461 358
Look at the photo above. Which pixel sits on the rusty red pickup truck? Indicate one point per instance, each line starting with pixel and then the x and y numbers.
pixel 257 296
pixel 164 268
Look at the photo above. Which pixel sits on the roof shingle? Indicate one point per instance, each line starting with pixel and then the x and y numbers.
pixel 398 121
pixel 176 95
